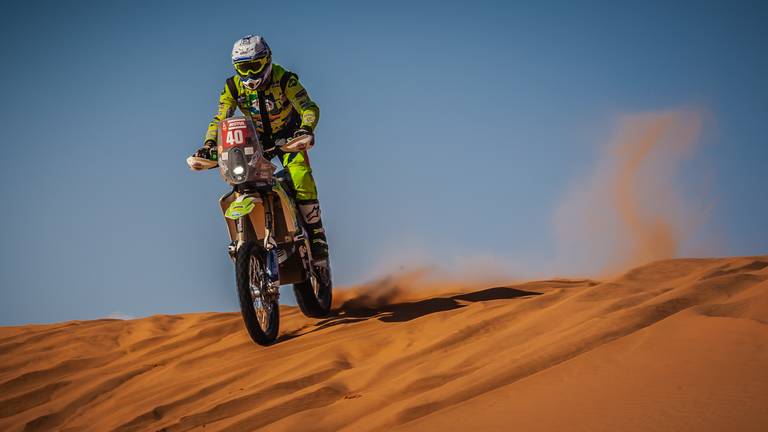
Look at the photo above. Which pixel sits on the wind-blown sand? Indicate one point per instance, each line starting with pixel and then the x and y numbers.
pixel 674 345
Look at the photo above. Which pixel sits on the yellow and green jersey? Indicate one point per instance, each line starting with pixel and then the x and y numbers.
pixel 288 103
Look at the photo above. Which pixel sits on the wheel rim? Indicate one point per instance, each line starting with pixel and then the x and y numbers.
pixel 261 303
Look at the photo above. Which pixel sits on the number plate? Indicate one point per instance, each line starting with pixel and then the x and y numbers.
pixel 235 133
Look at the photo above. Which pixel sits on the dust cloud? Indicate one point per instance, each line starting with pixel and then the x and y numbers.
pixel 406 285
pixel 631 210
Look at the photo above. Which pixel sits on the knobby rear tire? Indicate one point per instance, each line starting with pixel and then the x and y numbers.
pixel 311 304
pixel 247 309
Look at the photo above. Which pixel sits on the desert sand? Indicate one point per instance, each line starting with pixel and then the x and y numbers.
pixel 676 345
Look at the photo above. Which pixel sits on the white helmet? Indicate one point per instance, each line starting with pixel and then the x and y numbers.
pixel 252 59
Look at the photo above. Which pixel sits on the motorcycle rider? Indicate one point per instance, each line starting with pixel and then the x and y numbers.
pixel 281 109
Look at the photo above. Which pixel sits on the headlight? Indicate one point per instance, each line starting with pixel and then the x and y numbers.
pixel 238 170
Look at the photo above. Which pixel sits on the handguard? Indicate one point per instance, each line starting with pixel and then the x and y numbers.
pixel 201 164
pixel 299 144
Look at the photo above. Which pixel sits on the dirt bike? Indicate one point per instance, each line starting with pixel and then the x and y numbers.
pixel 269 243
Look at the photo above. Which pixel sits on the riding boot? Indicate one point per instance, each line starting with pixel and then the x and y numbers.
pixel 310 213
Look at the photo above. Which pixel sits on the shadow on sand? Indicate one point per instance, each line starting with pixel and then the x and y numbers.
pixel 350 311
pixel 357 309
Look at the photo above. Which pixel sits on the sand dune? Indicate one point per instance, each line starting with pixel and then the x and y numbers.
pixel 674 345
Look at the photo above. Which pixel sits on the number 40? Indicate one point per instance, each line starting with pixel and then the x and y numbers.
pixel 235 137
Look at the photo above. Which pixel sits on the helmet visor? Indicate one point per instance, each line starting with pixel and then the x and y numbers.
pixel 252 66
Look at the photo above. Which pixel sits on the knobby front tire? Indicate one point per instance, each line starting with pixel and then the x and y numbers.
pixel 249 268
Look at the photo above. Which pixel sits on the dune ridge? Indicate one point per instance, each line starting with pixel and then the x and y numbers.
pixel 673 345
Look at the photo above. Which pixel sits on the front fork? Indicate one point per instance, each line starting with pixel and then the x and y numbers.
pixel 273 267
pixel 270 246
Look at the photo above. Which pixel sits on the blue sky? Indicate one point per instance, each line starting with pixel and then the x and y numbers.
pixel 447 130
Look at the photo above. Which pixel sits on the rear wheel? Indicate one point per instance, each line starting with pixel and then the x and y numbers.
pixel 258 304
pixel 315 295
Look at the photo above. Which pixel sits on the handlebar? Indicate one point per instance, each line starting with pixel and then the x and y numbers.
pixel 294 145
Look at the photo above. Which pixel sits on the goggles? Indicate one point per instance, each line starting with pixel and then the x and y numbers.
pixel 252 66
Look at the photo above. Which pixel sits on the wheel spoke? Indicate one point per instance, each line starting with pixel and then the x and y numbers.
pixel 261 303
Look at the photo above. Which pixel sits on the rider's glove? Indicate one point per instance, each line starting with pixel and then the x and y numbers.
pixel 301 132
pixel 207 151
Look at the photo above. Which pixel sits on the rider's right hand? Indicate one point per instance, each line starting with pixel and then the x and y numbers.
pixel 207 151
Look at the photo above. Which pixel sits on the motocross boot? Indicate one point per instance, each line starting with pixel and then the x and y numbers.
pixel 310 213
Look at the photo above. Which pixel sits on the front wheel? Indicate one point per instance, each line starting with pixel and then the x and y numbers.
pixel 258 304
pixel 315 295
